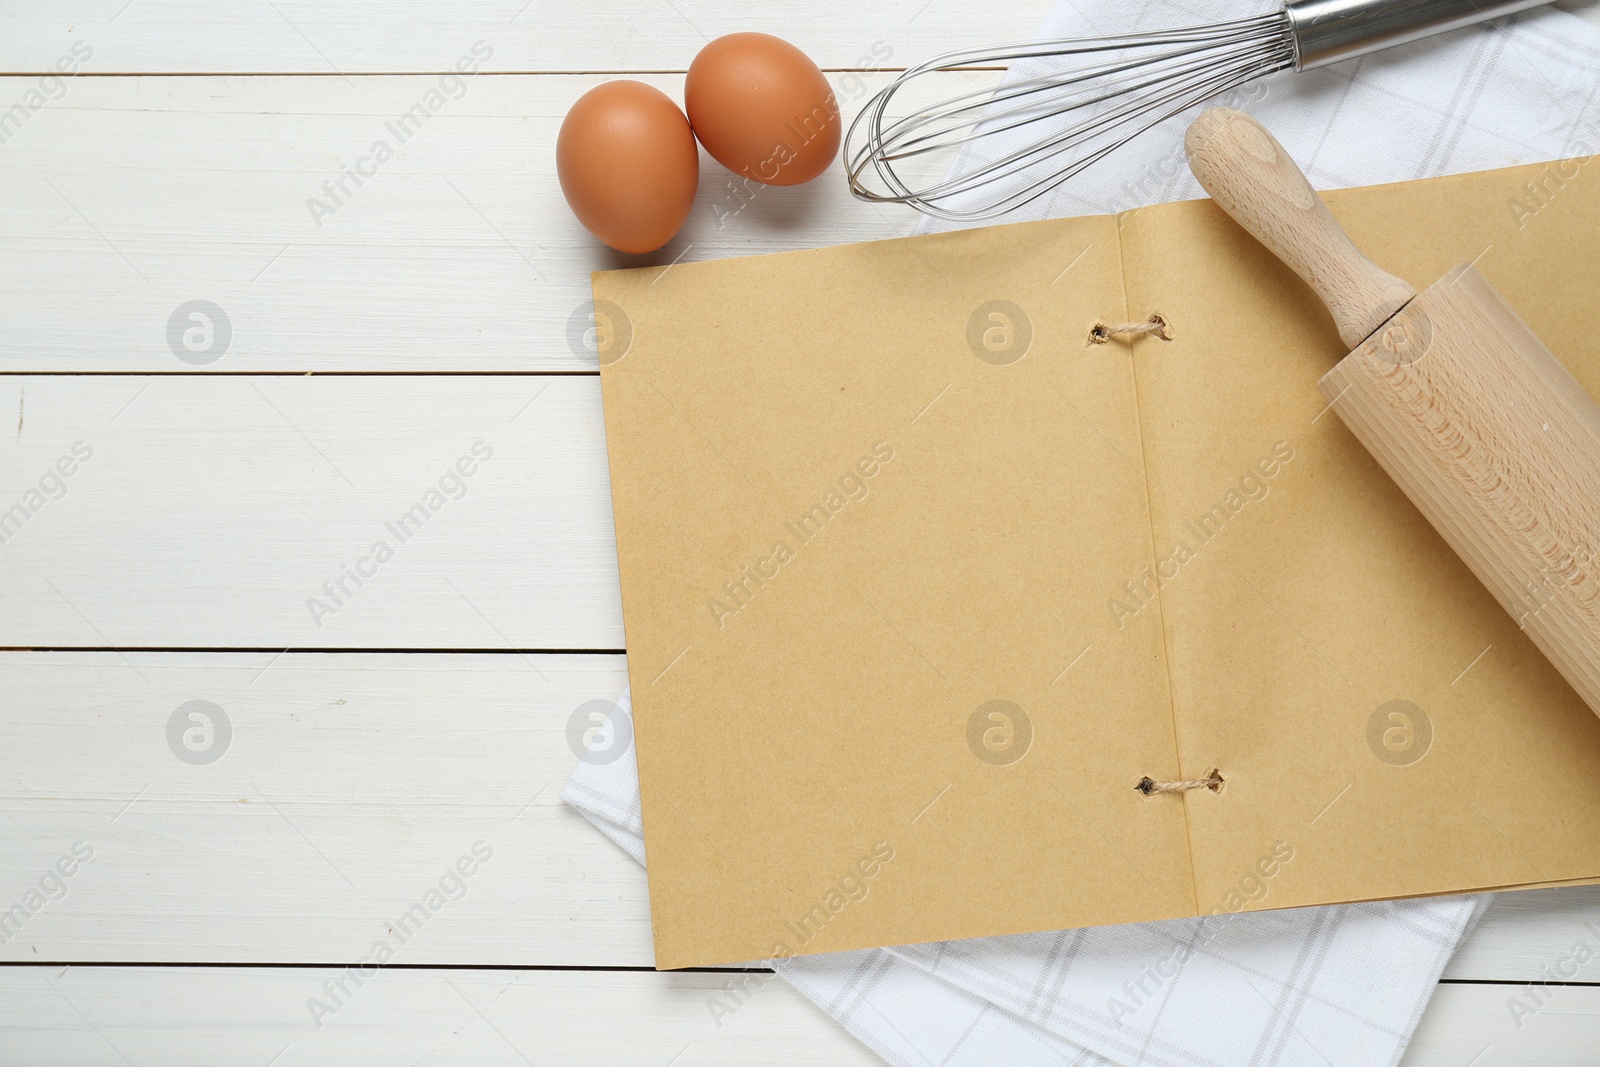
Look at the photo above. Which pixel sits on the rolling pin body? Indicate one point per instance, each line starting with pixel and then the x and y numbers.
pixel 1465 408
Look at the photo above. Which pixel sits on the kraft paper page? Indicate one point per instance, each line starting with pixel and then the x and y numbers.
pixel 1407 736
pixel 918 584
pixel 844 537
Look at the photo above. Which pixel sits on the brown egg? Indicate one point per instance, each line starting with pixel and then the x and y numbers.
pixel 762 109
pixel 628 165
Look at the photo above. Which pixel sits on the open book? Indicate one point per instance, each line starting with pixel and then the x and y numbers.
pixel 920 585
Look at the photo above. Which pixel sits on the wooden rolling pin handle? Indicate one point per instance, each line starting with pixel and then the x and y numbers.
pixel 1252 178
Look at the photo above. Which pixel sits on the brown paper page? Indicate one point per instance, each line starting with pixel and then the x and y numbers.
pixel 1374 712
pixel 867 513
pixel 918 584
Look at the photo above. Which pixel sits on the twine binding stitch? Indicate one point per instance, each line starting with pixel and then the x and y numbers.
pixel 1155 326
pixel 1149 786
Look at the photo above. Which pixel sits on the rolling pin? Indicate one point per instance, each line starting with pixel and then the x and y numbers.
pixel 1482 427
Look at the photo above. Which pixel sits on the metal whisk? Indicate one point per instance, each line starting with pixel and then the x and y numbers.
pixel 1110 91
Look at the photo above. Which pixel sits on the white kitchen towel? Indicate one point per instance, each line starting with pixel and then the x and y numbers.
pixel 1313 986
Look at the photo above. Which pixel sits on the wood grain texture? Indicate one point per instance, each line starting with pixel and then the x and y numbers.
pixel 1252 178
pixel 350 785
pixel 94 1016
pixel 1524 936
pixel 1499 448
pixel 200 1017
pixel 130 197
pixel 1467 1021
pixel 306 37
pixel 214 510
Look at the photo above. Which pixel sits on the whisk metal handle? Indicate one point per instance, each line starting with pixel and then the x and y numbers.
pixel 1252 178
pixel 1327 31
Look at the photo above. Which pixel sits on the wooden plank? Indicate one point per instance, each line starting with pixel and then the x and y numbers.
pixel 88 1016
pixel 1467 1021
pixel 350 786
pixel 228 512
pixel 178 1017
pixel 301 36
pixel 129 198
pixel 1531 937
pixel 351 782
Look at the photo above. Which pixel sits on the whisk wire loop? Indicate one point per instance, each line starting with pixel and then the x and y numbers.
pixel 1114 89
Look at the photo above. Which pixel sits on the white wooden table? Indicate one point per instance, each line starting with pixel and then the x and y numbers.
pixel 371 748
